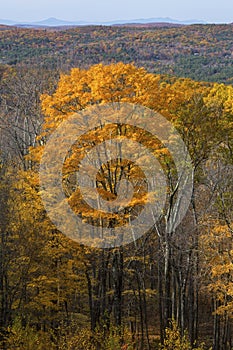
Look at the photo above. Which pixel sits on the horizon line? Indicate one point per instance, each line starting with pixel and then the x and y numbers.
pixel 125 21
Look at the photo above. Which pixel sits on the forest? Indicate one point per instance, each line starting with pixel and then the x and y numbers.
pixel 169 289
pixel 199 52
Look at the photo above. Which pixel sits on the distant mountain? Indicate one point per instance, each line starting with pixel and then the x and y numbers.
pixel 156 20
pixel 7 22
pixel 148 25
pixel 54 22
pixel 49 22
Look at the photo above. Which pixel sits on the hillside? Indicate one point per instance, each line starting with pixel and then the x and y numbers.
pixel 201 52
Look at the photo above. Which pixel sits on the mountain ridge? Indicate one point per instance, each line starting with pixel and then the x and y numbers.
pixel 55 22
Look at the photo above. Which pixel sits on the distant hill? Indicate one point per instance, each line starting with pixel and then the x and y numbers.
pixel 55 22
pixel 7 22
pixel 148 25
pixel 156 20
pixel 201 52
pixel 5 27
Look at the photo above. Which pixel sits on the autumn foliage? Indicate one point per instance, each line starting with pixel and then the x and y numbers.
pixel 163 291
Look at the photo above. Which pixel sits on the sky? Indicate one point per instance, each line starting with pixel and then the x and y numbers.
pixel 108 10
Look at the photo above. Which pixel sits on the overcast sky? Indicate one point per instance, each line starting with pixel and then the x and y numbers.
pixel 107 10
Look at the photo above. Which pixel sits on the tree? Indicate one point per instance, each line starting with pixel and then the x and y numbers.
pixel 97 86
pixel 20 110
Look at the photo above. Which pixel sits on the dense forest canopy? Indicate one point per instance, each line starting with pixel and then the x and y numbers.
pixel 201 52
pixel 169 289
